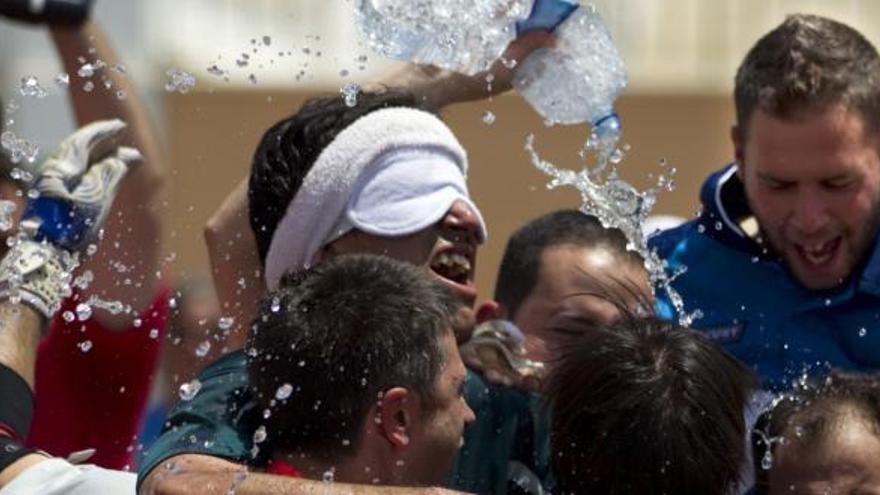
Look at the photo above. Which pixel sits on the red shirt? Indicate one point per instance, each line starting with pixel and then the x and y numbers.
pixel 282 468
pixel 95 398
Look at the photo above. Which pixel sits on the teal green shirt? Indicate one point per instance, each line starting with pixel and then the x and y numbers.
pixel 221 419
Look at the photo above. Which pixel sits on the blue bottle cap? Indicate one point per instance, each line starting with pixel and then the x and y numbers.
pixel 547 15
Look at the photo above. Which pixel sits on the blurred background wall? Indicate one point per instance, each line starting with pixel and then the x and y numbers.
pixel 681 56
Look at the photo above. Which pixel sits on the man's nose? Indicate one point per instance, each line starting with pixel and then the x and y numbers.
pixel 463 221
pixel 810 214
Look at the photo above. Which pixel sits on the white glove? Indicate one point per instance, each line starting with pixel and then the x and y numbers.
pixel 77 185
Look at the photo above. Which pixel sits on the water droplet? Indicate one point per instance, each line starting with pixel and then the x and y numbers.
pixel 30 86
pixel 137 322
pixel 767 460
pixel 329 476
pixel 719 225
pixel 68 316
pixel 252 79
pixel 83 311
pixel 214 70
pixel 89 86
pixel 86 71
pixel 260 434
pixel 343 73
pixel 276 305
pixel 62 80
pixel 154 333
pixel 267 40
pixel 284 391
pixel 85 345
pixel 203 348
pixel 225 322
pixel 179 81
pixel 488 117
pixel 189 390
pixel 863 331
pixel 350 94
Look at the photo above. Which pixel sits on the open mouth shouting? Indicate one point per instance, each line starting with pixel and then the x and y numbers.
pixel 818 255
pixel 454 266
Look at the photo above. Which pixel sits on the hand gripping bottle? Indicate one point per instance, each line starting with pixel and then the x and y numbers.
pixel 579 79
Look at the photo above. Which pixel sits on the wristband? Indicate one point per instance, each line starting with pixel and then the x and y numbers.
pixel 17 406
pixel 11 451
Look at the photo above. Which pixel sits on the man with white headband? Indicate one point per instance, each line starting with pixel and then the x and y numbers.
pixel 394 173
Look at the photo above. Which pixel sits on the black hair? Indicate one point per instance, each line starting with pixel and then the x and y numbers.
pixel 289 148
pixel 805 64
pixel 338 335
pixel 521 262
pixel 644 406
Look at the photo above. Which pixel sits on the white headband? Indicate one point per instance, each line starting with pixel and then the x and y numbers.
pixel 391 173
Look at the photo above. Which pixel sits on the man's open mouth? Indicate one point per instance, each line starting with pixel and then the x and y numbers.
pixel 818 254
pixel 453 266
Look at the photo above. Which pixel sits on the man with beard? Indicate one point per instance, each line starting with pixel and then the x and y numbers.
pixel 782 260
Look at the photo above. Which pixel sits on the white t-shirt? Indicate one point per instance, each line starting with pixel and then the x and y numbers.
pixel 56 476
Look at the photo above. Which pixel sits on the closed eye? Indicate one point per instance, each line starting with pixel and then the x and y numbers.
pixel 776 184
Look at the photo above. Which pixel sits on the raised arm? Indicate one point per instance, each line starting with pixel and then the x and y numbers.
pixel 438 88
pixel 126 265
pixel 235 265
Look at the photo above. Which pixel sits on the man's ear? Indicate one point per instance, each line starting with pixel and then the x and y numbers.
pixel 490 310
pixel 737 137
pixel 396 412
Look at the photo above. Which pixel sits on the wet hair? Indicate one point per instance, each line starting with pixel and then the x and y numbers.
pixel 811 413
pixel 644 406
pixel 340 334
pixel 521 262
pixel 289 148
pixel 806 64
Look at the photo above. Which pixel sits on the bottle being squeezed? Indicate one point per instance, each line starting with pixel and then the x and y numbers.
pixel 579 79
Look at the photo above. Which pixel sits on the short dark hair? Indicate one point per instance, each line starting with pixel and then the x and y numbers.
pixel 289 148
pixel 809 63
pixel 521 262
pixel 339 334
pixel 812 411
pixel 646 406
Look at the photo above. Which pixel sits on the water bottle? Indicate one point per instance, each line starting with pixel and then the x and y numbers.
pixel 465 36
pixel 579 79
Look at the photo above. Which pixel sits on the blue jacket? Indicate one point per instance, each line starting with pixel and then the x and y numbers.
pixel 754 307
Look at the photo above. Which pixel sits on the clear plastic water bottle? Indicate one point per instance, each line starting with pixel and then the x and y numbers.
pixel 579 79
pixel 464 36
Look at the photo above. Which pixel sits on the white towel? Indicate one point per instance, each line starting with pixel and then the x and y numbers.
pixel 390 173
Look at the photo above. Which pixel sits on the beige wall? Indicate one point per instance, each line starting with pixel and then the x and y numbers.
pixel 212 137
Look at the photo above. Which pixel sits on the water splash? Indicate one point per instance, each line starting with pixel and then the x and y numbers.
pixel 179 81
pixel 19 148
pixel 617 204
pixel 30 87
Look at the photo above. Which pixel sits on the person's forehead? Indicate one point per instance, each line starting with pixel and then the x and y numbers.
pixel 568 268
